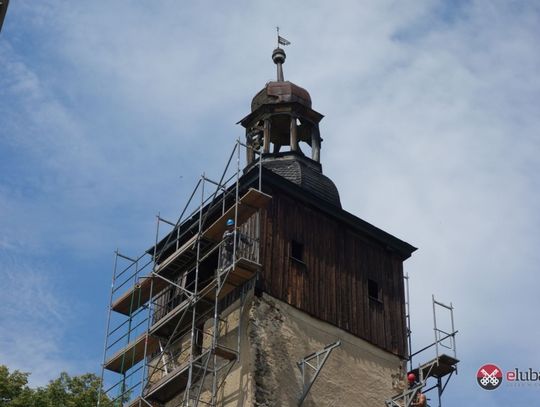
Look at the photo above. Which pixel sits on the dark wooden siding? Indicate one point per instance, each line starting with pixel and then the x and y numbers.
pixel 332 281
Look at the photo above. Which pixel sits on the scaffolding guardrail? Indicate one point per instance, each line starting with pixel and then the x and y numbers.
pixel 437 371
pixel 164 321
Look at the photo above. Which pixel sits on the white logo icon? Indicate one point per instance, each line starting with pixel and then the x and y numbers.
pixel 489 378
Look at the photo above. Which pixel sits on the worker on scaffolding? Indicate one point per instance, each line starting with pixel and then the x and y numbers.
pixel 419 399
pixel 227 245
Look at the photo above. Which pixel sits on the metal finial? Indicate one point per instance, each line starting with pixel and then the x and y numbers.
pixel 278 56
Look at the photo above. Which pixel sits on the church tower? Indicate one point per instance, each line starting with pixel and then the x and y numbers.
pixel 329 277
pixel 265 292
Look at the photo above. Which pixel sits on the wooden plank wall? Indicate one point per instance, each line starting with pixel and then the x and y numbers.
pixel 332 282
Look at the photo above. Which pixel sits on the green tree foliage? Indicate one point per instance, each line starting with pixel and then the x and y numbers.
pixel 66 391
pixel 13 389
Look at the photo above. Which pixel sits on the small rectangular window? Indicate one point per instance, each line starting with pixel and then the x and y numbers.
pixel 297 251
pixel 373 290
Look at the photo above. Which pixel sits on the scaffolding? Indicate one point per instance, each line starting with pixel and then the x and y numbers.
pixel 437 372
pixel 166 339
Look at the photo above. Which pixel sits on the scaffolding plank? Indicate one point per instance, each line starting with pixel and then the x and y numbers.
pixel 245 268
pixel 243 271
pixel 178 318
pixel 138 295
pixel 170 385
pixel 438 367
pixel 248 204
pixel 175 382
pixel 169 261
pixel 132 353
pixel 165 325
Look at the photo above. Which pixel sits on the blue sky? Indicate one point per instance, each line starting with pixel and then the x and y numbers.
pixel 109 111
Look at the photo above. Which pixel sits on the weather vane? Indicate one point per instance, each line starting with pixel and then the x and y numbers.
pixel 281 40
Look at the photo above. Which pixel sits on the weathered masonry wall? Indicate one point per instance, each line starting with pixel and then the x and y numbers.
pixel 338 263
pixel 275 336
pixel 237 389
pixel 356 373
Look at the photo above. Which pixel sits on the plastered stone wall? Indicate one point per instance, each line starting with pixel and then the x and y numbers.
pixel 274 337
pixel 356 373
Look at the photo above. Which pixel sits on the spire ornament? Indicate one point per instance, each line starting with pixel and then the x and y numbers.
pixel 278 56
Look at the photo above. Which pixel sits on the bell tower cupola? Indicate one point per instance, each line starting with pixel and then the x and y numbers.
pixel 283 126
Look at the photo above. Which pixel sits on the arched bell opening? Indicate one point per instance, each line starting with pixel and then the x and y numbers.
pixel 282 133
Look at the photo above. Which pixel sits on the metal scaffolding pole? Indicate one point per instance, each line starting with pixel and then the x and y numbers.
pixel 174 292
pixel 438 370
pixel 313 363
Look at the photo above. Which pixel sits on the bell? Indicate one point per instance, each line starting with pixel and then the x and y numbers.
pixel 256 142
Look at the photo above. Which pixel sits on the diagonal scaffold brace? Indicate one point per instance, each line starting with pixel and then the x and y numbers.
pixel 311 366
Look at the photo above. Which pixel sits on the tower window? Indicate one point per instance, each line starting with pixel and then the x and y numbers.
pixel 374 291
pixel 297 251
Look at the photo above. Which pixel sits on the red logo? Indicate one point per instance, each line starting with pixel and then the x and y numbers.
pixel 489 377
